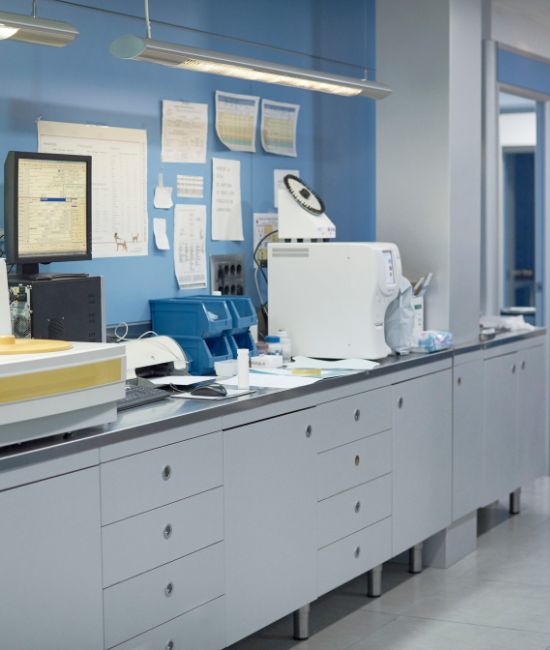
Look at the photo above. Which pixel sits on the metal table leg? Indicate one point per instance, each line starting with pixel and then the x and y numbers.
pixel 374 582
pixel 301 623
pixel 515 502
pixel 415 559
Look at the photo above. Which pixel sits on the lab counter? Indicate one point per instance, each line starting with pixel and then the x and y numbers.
pixel 169 523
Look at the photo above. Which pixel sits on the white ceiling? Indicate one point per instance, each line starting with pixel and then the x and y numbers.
pixel 537 10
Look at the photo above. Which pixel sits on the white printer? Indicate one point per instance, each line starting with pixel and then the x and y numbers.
pixel 331 297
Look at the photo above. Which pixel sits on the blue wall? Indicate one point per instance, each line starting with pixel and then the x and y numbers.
pixel 84 83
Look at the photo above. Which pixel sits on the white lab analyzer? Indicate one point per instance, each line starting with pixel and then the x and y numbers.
pixel 332 297
pixel 53 387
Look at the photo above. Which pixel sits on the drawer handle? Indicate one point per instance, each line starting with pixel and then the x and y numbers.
pixel 357 551
pixel 169 589
pixel 459 381
pixel 523 364
pixel 357 460
pixel 166 472
pixel 309 430
pixel 170 645
pixel 514 369
pixel 357 415
pixel 357 506
pixel 167 532
pixel 400 403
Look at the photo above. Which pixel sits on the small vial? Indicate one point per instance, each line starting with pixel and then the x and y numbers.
pixel 273 345
pixel 286 347
pixel 243 374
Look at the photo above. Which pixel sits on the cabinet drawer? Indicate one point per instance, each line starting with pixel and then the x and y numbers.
pixel 142 603
pixel 354 509
pixel 145 541
pixel 200 629
pixel 352 418
pixel 155 478
pixel 353 464
pixel 353 555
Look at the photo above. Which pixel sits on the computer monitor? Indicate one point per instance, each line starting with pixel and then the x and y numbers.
pixel 47 209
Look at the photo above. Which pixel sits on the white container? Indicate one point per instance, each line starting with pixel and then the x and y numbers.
pixel 286 345
pixel 243 371
pixel 418 306
pixel 226 368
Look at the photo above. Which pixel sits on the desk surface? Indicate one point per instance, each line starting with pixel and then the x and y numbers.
pixel 180 412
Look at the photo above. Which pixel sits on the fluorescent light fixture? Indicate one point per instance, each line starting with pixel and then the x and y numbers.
pixel 31 29
pixel 193 58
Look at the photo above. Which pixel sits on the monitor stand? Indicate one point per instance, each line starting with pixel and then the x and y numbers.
pixel 32 272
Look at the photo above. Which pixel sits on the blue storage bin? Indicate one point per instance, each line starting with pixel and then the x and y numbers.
pixel 203 318
pixel 202 353
pixel 242 340
pixel 241 308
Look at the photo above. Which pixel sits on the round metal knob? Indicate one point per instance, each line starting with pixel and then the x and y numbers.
pixel 169 589
pixel 167 532
pixel 166 472
pixel 400 402
pixel 523 364
pixel 357 460
pixel 459 381
pixel 357 415
pixel 309 430
pixel 357 506
pixel 514 369
pixel 357 551
pixel 170 645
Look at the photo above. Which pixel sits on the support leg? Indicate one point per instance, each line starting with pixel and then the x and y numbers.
pixel 515 502
pixel 301 623
pixel 415 559
pixel 374 582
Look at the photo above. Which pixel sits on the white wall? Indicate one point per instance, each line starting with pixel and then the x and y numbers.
pixel 429 150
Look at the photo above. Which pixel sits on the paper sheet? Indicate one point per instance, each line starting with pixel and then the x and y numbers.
pixel 278 175
pixel 264 223
pixel 184 132
pixel 119 181
pixel 163 195
pixel 161 238
pixel 340 364
pixel 190 246
pixel 261 380
pixel 191 187
pixel 227 221
pixel 278 127
pixel 236 119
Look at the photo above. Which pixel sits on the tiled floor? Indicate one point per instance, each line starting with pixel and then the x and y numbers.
pixel 497 598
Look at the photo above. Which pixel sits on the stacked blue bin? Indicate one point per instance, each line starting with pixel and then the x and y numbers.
pixel 208 328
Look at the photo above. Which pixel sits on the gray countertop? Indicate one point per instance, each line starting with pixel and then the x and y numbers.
pixel 179 412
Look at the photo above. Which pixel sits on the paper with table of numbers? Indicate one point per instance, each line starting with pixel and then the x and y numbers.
pixel 190 246
pixel 236 119
pixel 278 127
pixel 184 132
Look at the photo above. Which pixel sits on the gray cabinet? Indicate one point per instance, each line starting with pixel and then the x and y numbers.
pixel 531 415
pixel 468 388
pixel 421 458
pixel 270 520
pixel 500 449
pixel 50 564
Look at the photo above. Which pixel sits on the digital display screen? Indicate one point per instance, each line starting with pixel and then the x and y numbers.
pixel 51 208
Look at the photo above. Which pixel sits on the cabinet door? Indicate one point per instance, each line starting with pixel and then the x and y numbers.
pixel 532 400
pixel 500 449
pixel 467 438
pixel 50 564
pixel 422 458
pixel 270 523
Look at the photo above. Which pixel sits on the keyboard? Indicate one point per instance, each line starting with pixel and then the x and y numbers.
pixel 140 394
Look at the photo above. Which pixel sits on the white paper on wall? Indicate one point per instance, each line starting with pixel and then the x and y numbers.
pixel 184 132
pixel 236 119
pixel 190 246
pixel 227 221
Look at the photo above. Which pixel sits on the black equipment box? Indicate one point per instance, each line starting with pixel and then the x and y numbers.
pixel 66 308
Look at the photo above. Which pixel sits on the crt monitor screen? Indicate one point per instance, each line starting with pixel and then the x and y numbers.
pixel 47 215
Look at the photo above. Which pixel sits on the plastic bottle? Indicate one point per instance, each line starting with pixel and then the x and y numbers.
pixel 273 345
pixel 243 375
pixel 286 345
